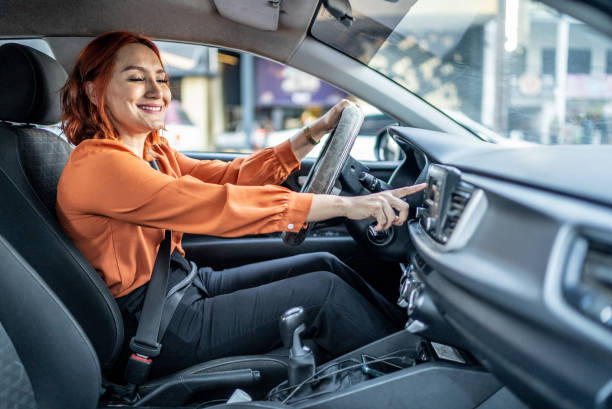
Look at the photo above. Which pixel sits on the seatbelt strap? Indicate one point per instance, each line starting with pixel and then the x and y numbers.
pixel 144 344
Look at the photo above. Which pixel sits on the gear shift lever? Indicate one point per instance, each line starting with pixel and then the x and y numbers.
pixel 289 321
pixel 301 358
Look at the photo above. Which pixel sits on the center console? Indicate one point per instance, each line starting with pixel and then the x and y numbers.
pixel 398 371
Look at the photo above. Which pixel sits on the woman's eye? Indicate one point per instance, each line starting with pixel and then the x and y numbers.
pixel 135 79
pixel 163 81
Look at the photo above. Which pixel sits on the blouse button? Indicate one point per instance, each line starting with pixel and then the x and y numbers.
pixel 290 226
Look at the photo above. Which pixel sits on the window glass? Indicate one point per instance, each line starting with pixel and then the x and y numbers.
pixel 579 61
pixel 225 101
pixel 548 61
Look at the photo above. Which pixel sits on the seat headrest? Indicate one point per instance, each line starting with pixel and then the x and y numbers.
pixel 29 85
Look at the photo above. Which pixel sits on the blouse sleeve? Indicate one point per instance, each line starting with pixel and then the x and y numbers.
pixel 268 166
pixel 127 188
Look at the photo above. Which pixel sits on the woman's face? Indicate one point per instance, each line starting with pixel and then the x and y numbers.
pixel 138 93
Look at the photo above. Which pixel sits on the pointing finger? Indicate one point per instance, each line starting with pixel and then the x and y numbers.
pixel 408 190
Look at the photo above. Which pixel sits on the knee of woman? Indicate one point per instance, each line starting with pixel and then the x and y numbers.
pixel 334 283
pixel 327 279
pixel 328 258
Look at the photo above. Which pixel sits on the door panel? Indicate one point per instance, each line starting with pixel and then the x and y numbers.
pixel 223 253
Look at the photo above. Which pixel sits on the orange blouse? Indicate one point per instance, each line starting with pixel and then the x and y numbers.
pixel 115 206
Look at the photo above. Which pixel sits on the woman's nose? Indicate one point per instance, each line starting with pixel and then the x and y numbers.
pixel 154 89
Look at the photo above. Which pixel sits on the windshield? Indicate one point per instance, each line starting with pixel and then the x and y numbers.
pixel 511 68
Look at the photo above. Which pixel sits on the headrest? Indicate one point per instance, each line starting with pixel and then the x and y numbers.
pixel 29 85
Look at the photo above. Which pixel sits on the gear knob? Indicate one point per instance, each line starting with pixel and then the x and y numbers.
pixel 289 321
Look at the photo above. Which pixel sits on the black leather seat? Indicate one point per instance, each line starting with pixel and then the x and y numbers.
pixel 46 360
pixel 42 348
pixel 31 162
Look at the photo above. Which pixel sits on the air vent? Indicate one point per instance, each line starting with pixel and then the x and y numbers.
pixel 597 271
pixel 591 289
pixel 458 201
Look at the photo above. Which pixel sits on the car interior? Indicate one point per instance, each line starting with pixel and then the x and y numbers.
pixel 504 268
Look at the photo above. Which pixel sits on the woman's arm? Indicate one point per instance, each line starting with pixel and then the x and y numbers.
pixel 381 206
pixel 121 186
pixel 127 188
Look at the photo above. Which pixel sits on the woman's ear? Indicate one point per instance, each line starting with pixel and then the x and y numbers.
pixel 90 90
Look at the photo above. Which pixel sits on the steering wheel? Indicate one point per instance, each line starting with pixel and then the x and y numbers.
pixel 326 169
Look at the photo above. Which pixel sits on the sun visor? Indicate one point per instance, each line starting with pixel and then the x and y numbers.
pixel 259 14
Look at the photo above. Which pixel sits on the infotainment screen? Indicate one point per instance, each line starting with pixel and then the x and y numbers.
pixel 441 183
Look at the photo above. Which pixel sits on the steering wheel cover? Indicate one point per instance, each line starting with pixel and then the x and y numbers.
pixel 326 169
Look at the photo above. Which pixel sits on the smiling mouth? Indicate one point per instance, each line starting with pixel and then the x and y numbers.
pixel 150 108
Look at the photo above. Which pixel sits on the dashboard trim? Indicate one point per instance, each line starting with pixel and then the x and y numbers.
pixel 573 215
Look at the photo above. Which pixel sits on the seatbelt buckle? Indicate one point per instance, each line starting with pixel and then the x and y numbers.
pixel 141 360
pixel 137 369
pixel 144 348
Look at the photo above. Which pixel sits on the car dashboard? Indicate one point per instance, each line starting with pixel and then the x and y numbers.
pixel 514 263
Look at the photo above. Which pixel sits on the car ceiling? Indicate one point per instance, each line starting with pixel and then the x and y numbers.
pixel 179 20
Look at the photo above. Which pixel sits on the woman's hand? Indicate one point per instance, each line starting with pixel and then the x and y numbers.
pixel 382 206
pixel 301 142
pixel 328 121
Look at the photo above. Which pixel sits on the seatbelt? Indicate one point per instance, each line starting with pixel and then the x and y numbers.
pixel 144 344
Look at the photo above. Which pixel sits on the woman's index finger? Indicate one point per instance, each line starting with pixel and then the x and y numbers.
pixel 408 190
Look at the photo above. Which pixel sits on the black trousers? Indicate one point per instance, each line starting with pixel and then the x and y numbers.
pixel 236 311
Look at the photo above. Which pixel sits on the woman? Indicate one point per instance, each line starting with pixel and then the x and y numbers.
pixel 116 207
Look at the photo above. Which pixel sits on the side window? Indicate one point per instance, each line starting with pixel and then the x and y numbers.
pixel 226 101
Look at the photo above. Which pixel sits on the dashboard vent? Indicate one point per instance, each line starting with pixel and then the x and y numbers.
pixel 459 199
pixel 590 290
pixel 597 271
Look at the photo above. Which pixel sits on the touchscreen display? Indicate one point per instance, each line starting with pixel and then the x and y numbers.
pixel 441 183
pixel 432 196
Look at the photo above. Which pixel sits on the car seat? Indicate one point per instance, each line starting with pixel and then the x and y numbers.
pixel 31 162
pixel 46 360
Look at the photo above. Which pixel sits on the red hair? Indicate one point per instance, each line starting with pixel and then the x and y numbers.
pixel 82 119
